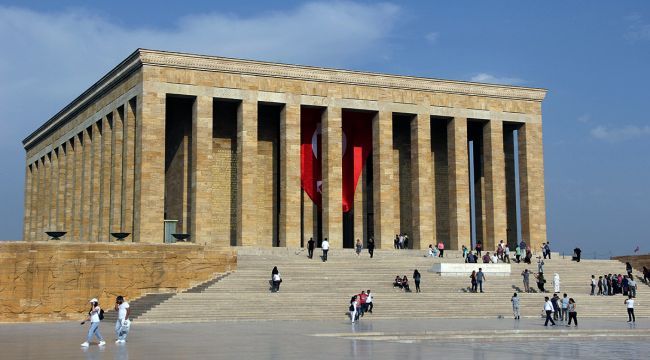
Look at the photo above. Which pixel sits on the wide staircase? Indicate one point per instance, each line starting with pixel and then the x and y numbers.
pixel 312 289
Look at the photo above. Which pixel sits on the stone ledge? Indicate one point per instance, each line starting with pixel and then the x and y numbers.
pixel 465 269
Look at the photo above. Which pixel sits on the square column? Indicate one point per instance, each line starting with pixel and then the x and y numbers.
pixel 494 170
pixel 132 132
pixel 149 200
pixel 246 172
pixel 75 217
pixel 531 185
pixel 53 190
pixel 458 162
pixel 332 193
pixel 28 203
pixel 202 224
pixel 424 216
pixel 86 185
pixel 290 192
pixel 60 191
pixel 116 173
pixel 95 184
pixel 382 178
pixel 105 182
pixel 359 198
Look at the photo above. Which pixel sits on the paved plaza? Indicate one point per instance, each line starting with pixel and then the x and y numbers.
pixel 379 339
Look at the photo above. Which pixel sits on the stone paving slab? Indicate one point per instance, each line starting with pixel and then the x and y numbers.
pixel 368 339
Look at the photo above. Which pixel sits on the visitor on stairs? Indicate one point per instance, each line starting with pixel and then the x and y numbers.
pixel 564 308
pixel 465 252
pixel 431 252
pixel 605 284
pixel 555 300
pixel 353 309
pixel 479 247
pixel 405 284
pixel 94 318
pixel 371 246
pixel 576 254
pixel 357 247
pixel 546 251
pixel 398 282
pixel 628 269
pixel 500 250
pixel 326 247
pixel 515 306
pixel 556 283
pixel 600 286
pixel 416 278
pixel 486 258
pixel 593 285
pixel 369 301
pixel 494 258
pixel 526 275
pixel 646 274
pixel 548 308
pixel 480 278
pixel 629 303
pixel 406 241
pixel 362 303
pixel 396 242
pixel 310 248
pixel 506 254
pixel 632 287
pixel 528 256
pixel 540 282
pixel 540 264
pixel 275 279
pixel 472 278
pixel 573 314
pixel 517 255
pixel 441 248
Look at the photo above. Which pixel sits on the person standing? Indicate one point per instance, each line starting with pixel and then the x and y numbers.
pixel 605 285
pixel 465 252
pixel 94 318
pixel 480 278
pixel 122 324
pixel 593 285
pixel 417 278
pixel 573 314
pixel 326 247
pixel 369 300
pixel 357 247
pixel 406 241
pixel 548 308
pixel 506 254
pixel 526 275
pixel 577 253
pixel 631 284
pixel 541 281
pixel 472 278
pixel 479 247
pixel 540 265
pixel 555 300
pixel 441 249
pixel 515 306
pixel 629 302
pixel 556 283
pixel 371 246
pixel 310 248
pixel 517 255
pixel 565 308
pixel 628 269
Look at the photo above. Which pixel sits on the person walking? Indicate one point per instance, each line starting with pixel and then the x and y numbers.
pixel 556 283
pixel 573 313
pixel 631 284
pixel 526 275
pixel 548 308
pixel 541 281
pixel 417 277
pixel 478 248
pixel 480 278
pixel 326 247
pixel 353 309
pixel 310 248
pixel 506 254
pixel 369 301
pixel 94 316
pixel 564 308
pixel 123 323
pixel 275 280
pixel 357 247
pixel 472 278
pixel 593 285
pixel 540 265
pixel 515 306
pixel 628 269
pixel 517 254
pixel 629 303
pixel 371 246
pixel 555 300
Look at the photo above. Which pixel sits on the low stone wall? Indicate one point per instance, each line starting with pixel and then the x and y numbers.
pixel 637 261
pixel 50 281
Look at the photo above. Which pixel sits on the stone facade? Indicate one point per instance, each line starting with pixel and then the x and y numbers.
pixel 124 156
pixel 47 281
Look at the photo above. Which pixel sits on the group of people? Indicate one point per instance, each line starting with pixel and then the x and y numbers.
pixel 360 304
pixel 325 246
pixel 437 251
pixel 501 254
pixel 402 283
pixel 563 309
pixel 477 279
pixel 96 315
pixel 401 241
pixel 358 246
pixel 612 284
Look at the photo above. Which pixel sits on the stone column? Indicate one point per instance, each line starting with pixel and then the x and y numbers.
pixel 47 196
pixel 246 172
pixel 38 194
pixel 53 190
pixel 105 189
pixel 531 185
pixel 60 192
pixel 27 204
pixel 131 129
pixel 86 192
pixel 332 171
pixel 33 212
pixel 383 179
pixel 424 216
pixel 76 191
pixel 494 171
pixel 308 219
pixel 202 223
pixel 290 192
pixel 458 162
pixel 116 172
pixel 95 181
pixel 149 201
pixel 70 148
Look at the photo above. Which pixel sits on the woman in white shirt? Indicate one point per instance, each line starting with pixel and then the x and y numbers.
pixel 93 317
pixel 353 308
pixel 629 302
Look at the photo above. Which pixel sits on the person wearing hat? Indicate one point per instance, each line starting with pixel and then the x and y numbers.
pixel 123 323
pixel 93 317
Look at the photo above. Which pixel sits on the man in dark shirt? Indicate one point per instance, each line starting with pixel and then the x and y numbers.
pixel 310 248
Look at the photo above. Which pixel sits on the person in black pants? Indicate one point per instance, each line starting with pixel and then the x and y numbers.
pixel 548 308
pixel 310 248
pixel 371 246
pixel 416 278
pixel 629 302
pixel 573 314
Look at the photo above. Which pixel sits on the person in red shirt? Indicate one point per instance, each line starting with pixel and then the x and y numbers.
pixel 363 307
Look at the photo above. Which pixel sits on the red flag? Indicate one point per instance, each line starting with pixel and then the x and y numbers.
pixel 357 145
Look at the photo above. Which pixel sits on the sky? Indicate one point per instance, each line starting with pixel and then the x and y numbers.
pixel 592 56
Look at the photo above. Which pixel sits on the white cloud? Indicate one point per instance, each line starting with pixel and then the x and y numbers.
pixel 620 134
pixel 432 37
pixel 637 29
pixel 584 118
pixel 491 79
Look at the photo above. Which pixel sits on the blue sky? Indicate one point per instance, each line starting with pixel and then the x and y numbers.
pixel 593 56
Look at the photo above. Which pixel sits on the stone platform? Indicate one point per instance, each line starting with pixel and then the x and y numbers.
pixel 465 269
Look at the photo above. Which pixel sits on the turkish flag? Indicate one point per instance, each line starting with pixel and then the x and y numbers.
pixel 357 145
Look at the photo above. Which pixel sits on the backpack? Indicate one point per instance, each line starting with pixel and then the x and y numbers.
pixel 101 314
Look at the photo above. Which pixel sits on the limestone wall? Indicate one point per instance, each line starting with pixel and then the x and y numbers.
pixel 49 281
